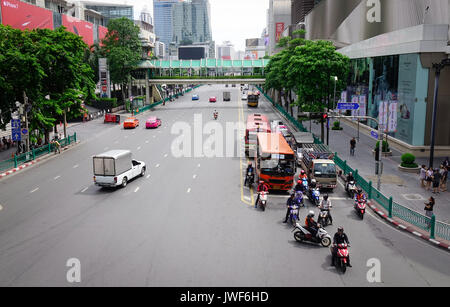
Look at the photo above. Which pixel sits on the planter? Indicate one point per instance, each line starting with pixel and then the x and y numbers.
pixel 337 129
pixel 385 154
pixel 415 170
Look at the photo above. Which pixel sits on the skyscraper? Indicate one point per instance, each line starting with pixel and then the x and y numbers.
pixel 191 22
pixel 162 13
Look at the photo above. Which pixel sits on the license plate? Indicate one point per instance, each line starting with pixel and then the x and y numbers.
pixel 277 187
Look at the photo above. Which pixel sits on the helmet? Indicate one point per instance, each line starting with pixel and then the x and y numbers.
pixel 311 214
pixel 261 182
pixel 313 181
pixel 351 174
pixel 325 197
pixel 359 190
pixel 302 172
pixel 340 229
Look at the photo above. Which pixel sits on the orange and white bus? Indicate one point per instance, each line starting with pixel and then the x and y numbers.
pixel 252 99
pixel 275 161
pixel 255 123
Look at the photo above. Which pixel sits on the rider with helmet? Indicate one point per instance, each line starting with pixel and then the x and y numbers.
pixel 313 184
pixel 302 176
pixel 339 238
pixel 325 205
pixel 310 224
pixel 360 196
pixel 262 187
pixel 289 204
pixel 349 178
pixel 249 169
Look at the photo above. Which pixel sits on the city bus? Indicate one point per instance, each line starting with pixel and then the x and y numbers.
pixel 275 161
pixel 252 99
pixel 255 123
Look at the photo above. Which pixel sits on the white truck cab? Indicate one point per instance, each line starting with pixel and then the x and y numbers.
pixel 116 168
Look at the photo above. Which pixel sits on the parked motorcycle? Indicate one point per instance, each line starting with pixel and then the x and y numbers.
pixel 301 234
pixel 360 207
pixel 351 189
pixel 294 214
pixel 324 218
pixel 262 202
pixel 342 256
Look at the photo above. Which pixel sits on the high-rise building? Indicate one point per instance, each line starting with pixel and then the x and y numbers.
pixel 299 9
pixel 163 16
pixel 279 18
pixel 226 51
pixel 110 11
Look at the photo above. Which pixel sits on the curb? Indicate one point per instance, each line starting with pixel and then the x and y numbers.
pixel 407 228
pixel 28 164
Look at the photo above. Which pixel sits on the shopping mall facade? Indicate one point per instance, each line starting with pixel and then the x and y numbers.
pixel 393 46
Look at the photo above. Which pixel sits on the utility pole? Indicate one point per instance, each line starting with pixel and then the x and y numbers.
pixel 25 108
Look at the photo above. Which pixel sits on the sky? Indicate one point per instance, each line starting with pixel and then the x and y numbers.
pixel 231 20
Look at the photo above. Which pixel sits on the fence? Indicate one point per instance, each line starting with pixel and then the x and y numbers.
pixel 35 153
pixel 436 228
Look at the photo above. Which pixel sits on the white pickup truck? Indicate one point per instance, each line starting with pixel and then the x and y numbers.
pixel 115 168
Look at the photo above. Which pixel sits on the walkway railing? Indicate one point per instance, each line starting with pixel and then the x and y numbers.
pixel 435 228
pixel 35 153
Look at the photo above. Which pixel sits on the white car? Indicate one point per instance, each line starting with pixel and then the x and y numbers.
pixel 244 97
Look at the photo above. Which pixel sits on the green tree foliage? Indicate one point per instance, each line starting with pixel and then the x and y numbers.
pixel 123 50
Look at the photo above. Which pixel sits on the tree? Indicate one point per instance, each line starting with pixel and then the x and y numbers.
pixel 312 67
pixel 123 50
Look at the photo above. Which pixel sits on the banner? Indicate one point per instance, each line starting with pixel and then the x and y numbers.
pixel 21 15
pixel 279 29
pixel 355 99
pixel 382 115
pixel 392 123
pixel 362 105
pixel 79 27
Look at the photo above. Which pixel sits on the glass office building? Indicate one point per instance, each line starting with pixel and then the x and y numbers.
pixel 162 13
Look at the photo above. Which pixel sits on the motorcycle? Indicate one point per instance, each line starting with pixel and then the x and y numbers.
pixel 250 179
pixel 324 218
pixel 216 115
pixel 322 237
pixel 298 199
pixel 342 256
pixel 314 196
pixel 305 184
pixel 360 207
pixel 351 189
pixel 262 202
pixel 294 214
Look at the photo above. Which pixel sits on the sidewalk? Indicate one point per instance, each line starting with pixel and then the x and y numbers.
pixel 403 187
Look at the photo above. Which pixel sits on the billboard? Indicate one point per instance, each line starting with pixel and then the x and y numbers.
pixel 79 27
pixel 21 15
pixel 252 42
pixel 191 53
pixel 279 29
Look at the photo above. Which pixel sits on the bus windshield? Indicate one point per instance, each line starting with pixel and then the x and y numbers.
pixel 278 164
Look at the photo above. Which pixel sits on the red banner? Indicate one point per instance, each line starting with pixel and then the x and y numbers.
pixel 102 31
pixel 79 27
pixel 21 15
pixel 279 30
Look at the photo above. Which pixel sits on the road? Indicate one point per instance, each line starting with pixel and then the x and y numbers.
pixel 187 223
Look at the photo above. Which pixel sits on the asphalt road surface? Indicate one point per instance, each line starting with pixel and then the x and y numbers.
pixel 187 222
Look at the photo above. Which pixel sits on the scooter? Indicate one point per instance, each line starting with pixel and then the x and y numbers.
pixel 301 234
pixel 351 189
pixel 305 184
pixel 250 179
pixel 216 115
pixel 324 218
pixel 342 256
pixel 314 196
pixel 262 202
pixel 294 214
pixel 360 207
pixel 298 199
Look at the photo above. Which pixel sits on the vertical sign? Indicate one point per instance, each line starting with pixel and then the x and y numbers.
pixel 355 99
pixel 382 115
pixel 279 28
pixel 392 123
pixel 105 88
pixel 16 134
pixel 362 105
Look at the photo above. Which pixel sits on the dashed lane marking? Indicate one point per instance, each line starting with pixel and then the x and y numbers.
pixel 84 190
pixel 157 165
pixel 195 176
pixel 148 176
pixel 137 189
pixel 75 166
pixel 189 190
pixel 1 207
pixel 57 177
pixel 32 191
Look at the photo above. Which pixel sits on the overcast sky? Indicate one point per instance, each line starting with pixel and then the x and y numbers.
pixel 233 20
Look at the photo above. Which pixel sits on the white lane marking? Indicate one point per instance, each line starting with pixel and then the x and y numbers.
pixel 247 198
pixel 157 165
pixel 165 156
pixel 146 142
pixel 57 177
pixel 148 176
pixel 1 207
pixel 189 190
pixel 139 148
pixel 32 191
pixel 195 176
pixel 84 190
pixel 75 166
pixel 137 189
pixel 198 165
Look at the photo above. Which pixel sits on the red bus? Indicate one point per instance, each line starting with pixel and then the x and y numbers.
pixel 275 161
pixel 255 123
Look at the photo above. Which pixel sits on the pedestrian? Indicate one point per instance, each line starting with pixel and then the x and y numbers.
pixel 444 179
pixel 429 178
pixel 429 207
pixel 4 142
pixel 9 143
pixel 436 181
pixel 446 162
pixel 423 175
pixel 352 146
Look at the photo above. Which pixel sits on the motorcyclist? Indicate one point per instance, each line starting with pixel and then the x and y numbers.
pixel 349 178
pixel 303 176
pixel 310 224
pixel 339 238
pixel 262 187
pixel 325 205
pixel 299 186
pixel 249 169
pixel 313 184
pixel 215 114
pixel 289 204
pixel 360 196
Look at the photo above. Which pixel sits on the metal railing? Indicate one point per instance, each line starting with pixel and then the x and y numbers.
pixel 435 228
pixel 35 153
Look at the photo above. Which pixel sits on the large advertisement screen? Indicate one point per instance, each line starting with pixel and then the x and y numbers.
pixel 79 27
pixel 279 29
pixel 21 15
pixel 191 53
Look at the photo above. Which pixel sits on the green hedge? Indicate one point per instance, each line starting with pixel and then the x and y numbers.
pixel 408 160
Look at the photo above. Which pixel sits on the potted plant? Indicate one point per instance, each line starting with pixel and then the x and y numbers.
pixel 408 164
pixel 337 126
pixel 386 151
